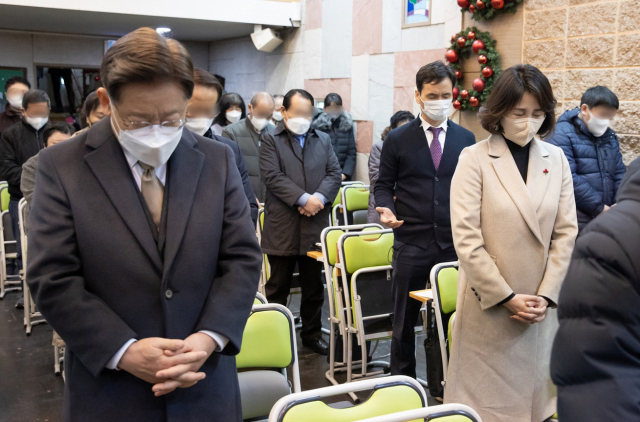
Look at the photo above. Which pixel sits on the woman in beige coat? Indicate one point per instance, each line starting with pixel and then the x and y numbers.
pixel 514 227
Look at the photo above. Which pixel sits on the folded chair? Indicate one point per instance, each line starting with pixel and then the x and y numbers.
pixel 453 412
pixel 268 348
pixel 444 284
pixel 389 395
pixel 337 317
pixel 8 250
pixel 30 312
pixel 355 204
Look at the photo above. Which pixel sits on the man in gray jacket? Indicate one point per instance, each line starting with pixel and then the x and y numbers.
pixel 246 133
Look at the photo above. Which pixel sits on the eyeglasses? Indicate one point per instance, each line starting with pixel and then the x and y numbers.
pixel 167 127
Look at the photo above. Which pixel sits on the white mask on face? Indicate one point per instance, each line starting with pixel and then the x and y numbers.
pixel 198 125
pixel 258 123
pixel 596 126
pixel 521 131
pixel 152 146
pixel 298 125
pixel 436 109
pixel 233 116
pixel 36 122
pixel 15 101
pixel 277 116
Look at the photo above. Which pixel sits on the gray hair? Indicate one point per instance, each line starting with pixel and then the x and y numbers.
pixel 261 96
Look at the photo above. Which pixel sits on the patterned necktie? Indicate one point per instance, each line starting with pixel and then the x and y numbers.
pixel 436 148
pixel 152 192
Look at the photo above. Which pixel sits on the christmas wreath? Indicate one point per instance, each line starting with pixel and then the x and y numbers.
pixel 488 9
pixel 462 45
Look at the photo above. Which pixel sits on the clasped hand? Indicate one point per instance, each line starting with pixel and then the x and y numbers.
pixel 168 364
pixel 527 309
pixel 312 207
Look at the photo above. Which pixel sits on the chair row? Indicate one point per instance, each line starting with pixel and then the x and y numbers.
pixel 351 205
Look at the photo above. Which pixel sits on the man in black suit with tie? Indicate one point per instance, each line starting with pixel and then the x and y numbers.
pixel 142 253
pixel 416 166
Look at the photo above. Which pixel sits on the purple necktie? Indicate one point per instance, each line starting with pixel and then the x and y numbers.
pixel 436 148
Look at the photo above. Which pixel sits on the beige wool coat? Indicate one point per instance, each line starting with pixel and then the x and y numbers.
pixel 510 238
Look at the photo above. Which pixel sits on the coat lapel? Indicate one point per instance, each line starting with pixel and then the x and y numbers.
pixel 185 166
pixel 510 177
pixel 539 172
pixel 109 165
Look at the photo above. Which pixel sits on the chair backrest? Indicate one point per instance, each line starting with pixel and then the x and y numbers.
pixel 23 208
pixel 4 196
pixel 260 299
pixel 365 250
pixel 446 287
pixel 390 395
pixel 269 341
pixel 452 412
pixel 356 197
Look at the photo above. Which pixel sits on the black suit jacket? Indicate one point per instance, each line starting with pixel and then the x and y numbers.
pixel 98 278
pixel 422 193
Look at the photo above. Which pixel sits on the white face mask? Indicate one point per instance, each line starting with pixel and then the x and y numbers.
pixel 258 123
pixel 198 125
pixel 15 101
pixel 36 122
pixel 298 125
pixel 277 116
pixel 153 145
pixel 597 126
pixel 436 109
pixel 521 131
pixel 233 116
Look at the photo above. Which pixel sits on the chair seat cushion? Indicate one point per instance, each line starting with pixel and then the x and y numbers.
pixel 260 390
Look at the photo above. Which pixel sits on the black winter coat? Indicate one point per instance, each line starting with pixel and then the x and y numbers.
pixel 342 139
pixel 596 164
pixel 596 353
pixel 18 143
pixel 289 171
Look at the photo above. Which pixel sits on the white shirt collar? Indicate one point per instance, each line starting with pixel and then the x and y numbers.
pixel 131 160
pixel 426 125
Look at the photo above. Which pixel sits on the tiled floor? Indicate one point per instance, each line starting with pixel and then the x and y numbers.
pixel 29 390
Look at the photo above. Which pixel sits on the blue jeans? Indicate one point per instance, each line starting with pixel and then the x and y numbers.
pixel 14 213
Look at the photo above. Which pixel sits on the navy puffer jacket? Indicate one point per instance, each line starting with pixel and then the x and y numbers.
pixel 596 164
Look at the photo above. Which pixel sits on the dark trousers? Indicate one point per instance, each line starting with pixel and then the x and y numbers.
pixel 411 268
pixel 279 284
pixel 15 226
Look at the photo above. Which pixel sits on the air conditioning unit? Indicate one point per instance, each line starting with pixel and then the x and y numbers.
pixel 265 40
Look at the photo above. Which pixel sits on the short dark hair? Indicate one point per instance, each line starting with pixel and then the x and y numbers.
pixel 226 102
pixel 203 78
pixel 598 96
pixel 399 117
pixel 144 56
pixel 507 93
pixel 286 103
pixel 332 98
pixel 16 80
pixel 434 72
pixel 62 127
pixel 90 105
pixel 35 96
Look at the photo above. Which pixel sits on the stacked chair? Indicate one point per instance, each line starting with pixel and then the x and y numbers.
pixel 30 314
pixel 337 210
pixel 355 203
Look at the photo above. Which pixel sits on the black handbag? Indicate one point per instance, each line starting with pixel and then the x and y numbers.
pixel 435 374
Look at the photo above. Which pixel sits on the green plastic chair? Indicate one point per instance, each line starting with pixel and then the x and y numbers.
pixel 453 412
pixel 334 220
pixel 260 299
pixel 355 203
pixel 4 196
pixel 390 395
pixel 268 348
pixel 444 284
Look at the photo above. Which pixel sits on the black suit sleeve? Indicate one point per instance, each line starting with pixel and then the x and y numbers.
pixel 352 155
pixel 91 328
pixel 10 169
pixel 333 174
pixel 387 175
pixel 239 262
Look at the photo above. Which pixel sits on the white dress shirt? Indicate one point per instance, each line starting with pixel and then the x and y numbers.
pixel 443 133
pixel 161 173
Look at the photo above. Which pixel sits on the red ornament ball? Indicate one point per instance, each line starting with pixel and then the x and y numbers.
pixel 478 84
pixel 480 4
pixel 457 105
pixel 463 3
pixel 453 38
pixel 458 74
pixel 451 56
pixel 461 42
pixel 471 35
pixel 472 9
pixel 487 72
pixel 456 92
pixel 497 4
pixel 474 102
pixel 477 46
pixel 464 94
pixel 482 59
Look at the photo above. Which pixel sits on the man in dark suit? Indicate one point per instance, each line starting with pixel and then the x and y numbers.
pixel 416 166
pixel 142 254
